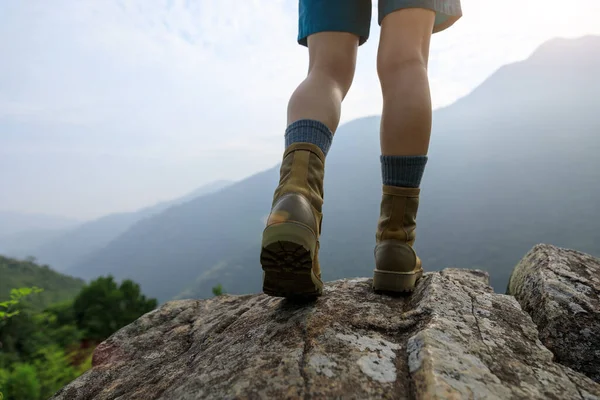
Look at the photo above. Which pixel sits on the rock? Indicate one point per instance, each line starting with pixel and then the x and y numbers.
pixel 452 339
pixel 560 289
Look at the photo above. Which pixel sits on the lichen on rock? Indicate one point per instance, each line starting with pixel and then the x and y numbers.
pixel 452 338
pixel 560 289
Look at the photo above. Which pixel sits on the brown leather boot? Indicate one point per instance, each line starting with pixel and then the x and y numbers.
pixel 397 266
pixel 290 242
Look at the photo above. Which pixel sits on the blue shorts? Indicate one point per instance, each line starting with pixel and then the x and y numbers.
pixel 354 16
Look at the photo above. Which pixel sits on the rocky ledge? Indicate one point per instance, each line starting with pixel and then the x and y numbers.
pixel 560 289
pixel 454 338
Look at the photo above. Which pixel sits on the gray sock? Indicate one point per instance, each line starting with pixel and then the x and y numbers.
pixel 309 131
pixel 403 171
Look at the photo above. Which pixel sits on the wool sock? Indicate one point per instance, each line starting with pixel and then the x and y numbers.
pixel 402 171
pixel 309 131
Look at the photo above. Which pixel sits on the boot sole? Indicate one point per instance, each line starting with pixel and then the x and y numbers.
pixel 286 258
pixel 397 282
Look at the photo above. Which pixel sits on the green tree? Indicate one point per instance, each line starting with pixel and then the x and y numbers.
pixel 20 337
pixel 53 370
pixel 16 295
pixel 58 323
pixel 30 259
pixel 217 290
pixel 22 383
pixel 4 375
pixel 20 274
pixel 103 307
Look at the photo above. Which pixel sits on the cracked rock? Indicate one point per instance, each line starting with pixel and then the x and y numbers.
pixel 451 339
pixel 560 289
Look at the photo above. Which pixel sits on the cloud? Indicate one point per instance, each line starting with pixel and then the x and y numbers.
pixel 492 34
pixel 203 86
pixel 177 66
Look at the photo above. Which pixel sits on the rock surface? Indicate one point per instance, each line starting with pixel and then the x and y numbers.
pixel 452 339
pixel 560 289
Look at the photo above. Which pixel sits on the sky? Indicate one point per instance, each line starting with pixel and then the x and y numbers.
pixel 110 105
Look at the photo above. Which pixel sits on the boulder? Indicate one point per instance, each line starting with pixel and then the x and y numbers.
pixel 560 289
pixel 453 338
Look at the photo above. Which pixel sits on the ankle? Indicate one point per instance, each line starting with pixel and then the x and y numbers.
pixel 309 131
pixel 403 171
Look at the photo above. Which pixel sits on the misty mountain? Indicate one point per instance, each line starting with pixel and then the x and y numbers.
pixel 20 232
pixel 16 222
pixel 512 164
pixel 64 250
pixel 56 287
pixel 21 244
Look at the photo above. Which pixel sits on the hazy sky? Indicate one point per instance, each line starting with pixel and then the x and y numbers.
pixel 109 105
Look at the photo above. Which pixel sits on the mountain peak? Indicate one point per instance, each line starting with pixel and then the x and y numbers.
pixel 566 50
pixel 560 70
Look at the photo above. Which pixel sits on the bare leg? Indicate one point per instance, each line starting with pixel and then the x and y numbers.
pixel 405 130
pixel 402 68
pixel 290 239
pixel 330 74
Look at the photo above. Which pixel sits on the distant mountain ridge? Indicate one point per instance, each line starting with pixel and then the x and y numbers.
pixel 512 164
pixel 56 287
pixel 12 222
pixel 64 248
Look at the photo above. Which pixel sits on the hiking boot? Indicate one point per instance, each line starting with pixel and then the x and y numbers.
pixel 397 266
pixel 290 241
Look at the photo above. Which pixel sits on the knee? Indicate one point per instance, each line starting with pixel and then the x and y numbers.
pixel 394 65
pixel 338 69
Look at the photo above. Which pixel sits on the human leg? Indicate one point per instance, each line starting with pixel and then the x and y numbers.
pixel 332 30
pixel 332 61
pixel 402 64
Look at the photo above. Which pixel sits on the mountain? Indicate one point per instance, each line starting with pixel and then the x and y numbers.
pixel 15 222
pixel 183 236
pixel 68 248
pixel 21 232
pixel 21 244
pixel 17 274
pixel 512 164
